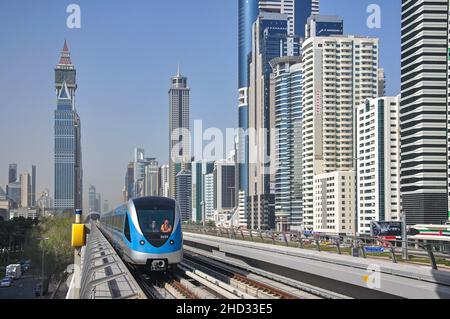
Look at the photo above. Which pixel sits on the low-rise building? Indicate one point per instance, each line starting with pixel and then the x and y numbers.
pixel 334 196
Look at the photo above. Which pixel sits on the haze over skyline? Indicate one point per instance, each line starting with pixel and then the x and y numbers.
pixel 125 56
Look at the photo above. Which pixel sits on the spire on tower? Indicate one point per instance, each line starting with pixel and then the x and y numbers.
pixel 65 55
pixel 178 72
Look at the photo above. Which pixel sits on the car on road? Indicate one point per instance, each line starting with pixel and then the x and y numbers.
pixel 6 282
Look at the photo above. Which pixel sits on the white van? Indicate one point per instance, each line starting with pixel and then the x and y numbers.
pixel 14 271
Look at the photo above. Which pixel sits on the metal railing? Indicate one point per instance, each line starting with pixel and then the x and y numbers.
pixel 104 275
pixel 418 251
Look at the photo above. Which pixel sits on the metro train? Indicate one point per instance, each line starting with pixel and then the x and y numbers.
pixel 146 232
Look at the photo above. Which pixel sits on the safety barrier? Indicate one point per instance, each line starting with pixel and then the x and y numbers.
pixel 103 273
pixel 419 251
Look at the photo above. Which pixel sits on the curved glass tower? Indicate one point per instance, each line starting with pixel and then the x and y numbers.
pixel 248 13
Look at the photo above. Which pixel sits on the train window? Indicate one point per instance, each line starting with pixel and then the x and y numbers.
pixel 126 231
pixel 157 226
pixel 156 220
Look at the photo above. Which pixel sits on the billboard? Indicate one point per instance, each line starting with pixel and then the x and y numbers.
pixel 386 229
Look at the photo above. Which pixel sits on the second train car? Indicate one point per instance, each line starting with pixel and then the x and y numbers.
pixel 146 232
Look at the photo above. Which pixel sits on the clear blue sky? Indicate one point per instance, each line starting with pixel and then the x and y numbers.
pixel 125 54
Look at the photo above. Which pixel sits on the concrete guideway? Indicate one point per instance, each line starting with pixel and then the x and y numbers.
pixel 103 273
pixel 342 274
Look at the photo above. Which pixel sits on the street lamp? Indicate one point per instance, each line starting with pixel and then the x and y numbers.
pixel 42 273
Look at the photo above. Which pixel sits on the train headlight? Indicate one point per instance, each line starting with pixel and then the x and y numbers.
pixel 172 242
pixel 142 243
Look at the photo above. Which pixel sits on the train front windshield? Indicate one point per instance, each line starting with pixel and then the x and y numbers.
pixel 156 220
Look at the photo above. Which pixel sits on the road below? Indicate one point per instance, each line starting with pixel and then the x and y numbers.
pixel 22 288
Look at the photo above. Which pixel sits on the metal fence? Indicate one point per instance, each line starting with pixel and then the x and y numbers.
pixel 431 253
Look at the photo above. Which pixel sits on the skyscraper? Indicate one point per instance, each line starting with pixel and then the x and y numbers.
pixel 297 11
pixel 98 202
pixel 68 164
pixel 295 14
pixel 163 181
pixel 25 190
pixel 105 206
pixel 288 81
pixel 139 172
pixel 151 187
pixel 270 41
pixel 129 182
pixel 324 26
pixel 224 186
pixel 92 199
pixel 340 73
pixel 199 170
pixel 184 193
pixel 12 173
pixel 33 186
pixel 424 111
pixel 248 13
pixel 179 144
pixel 209 196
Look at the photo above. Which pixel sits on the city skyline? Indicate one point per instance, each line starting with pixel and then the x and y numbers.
pixel 96 142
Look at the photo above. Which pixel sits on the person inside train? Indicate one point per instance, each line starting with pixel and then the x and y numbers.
pixel 153 227
pixel 166 227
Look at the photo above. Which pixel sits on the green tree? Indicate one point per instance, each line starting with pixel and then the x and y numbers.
pixel 57 249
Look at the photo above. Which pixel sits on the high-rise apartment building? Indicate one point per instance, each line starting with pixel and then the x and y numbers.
pixel 381 83
pixel 68 164
pixel 288 81
pixel 424 111
pixel 179 143
pixel 378 153
pixel 339 74
pixel 209 197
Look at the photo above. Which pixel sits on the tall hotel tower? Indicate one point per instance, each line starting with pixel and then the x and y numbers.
pixel 68 168
pixel 179 143
pixel 424 111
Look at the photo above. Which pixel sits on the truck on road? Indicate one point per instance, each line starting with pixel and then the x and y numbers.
pixel 14 271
